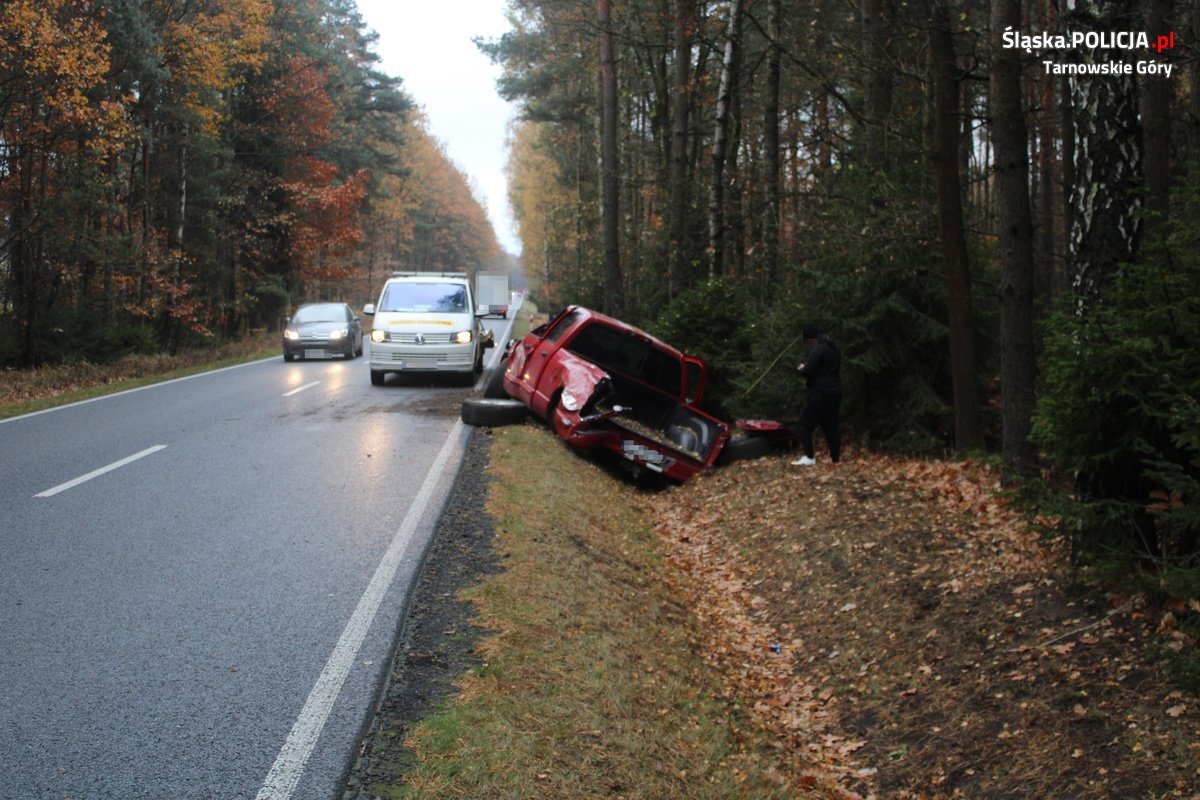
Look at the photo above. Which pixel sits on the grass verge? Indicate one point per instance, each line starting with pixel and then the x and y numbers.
pixel 591 684
pixel 26 391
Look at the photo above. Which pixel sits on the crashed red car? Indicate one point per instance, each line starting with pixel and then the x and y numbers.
pixel 604 384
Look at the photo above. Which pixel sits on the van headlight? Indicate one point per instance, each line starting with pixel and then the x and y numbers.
pixel 462 337
pixel 378 335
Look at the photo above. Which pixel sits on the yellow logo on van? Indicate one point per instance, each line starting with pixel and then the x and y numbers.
pixel 395 323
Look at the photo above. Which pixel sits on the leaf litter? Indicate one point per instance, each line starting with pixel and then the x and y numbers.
pixel 901 632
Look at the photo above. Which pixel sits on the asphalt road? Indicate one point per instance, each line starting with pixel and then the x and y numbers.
pixel 201 581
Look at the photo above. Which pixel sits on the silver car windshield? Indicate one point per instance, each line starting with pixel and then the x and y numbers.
pixel 324 312
pixel 445 298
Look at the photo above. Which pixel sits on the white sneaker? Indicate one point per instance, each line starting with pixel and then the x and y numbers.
pixel 804 461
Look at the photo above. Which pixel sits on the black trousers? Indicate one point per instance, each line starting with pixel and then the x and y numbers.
pixel 822 410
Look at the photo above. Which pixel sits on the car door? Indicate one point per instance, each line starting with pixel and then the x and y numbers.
pixel 536 351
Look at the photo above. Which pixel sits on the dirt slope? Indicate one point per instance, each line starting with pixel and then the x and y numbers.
pixel 901 634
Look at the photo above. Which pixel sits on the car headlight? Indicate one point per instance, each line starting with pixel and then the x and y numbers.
pixel 462 337
pixel 570 402
pixel 378 335
pixel 291 334
pixel 338 334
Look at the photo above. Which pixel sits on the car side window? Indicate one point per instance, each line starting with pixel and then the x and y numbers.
pixel 564 325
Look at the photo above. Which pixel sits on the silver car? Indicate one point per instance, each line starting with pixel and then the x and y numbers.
pixel 320 330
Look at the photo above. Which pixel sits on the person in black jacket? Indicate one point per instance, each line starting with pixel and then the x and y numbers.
pixel 822 373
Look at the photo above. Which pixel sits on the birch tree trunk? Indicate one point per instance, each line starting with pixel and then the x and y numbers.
pixel 716 191
pixel 1106 197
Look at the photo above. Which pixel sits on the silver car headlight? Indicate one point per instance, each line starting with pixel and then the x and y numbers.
pixel 291 334
pixel 462 337
pixel 339 333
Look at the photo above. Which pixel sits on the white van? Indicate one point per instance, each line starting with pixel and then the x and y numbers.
pixel 426 322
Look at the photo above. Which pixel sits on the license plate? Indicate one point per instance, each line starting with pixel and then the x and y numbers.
pixel 420 363
pixel 315 353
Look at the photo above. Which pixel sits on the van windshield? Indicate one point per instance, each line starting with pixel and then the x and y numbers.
pixel 445 298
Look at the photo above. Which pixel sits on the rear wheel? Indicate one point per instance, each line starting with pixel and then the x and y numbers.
pixel 744 448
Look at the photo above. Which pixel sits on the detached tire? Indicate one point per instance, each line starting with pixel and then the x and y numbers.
pixel 492 412
pixel 744 448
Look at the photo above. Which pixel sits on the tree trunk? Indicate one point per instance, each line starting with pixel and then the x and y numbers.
pixel 716 192
pixel 1156 121
pixel 681 100
pixel 610 216
pixel 1105 199
pixel 771 155
pixel 947 76
pixel 877 22
pixel 1015 239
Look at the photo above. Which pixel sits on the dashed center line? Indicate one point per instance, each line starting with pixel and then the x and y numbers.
pixel 62 487
pixel 300 389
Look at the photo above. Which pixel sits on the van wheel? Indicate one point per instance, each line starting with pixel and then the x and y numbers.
pixel 492 413
pixel 376 378
pixel 743 448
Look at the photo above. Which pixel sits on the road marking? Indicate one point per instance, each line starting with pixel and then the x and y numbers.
pixel 289 765
pixel 301 389
pixel 62 487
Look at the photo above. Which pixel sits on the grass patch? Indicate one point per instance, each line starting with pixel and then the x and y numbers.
pixel 591 683
pixel 26 391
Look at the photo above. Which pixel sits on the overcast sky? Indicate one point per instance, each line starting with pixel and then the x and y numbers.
pixel 428 44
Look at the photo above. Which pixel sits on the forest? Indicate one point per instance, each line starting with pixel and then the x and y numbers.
pixel 991 207
pixel 174 172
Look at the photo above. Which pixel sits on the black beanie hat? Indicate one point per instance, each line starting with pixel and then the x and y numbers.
pixel 811 332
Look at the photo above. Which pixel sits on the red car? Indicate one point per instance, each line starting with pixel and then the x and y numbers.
pixel 601 383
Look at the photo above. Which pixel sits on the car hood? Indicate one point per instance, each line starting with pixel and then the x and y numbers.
pixel 307 328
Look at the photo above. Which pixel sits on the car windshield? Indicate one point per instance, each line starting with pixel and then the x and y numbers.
pixel 321 312
pixel 446 298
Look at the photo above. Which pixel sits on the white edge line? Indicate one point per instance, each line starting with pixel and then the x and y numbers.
pixel 300 389
pixel 136 389
pixel 289 765
pixel 62 487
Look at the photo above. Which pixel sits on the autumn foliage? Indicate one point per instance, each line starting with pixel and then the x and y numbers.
pixel 172 172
